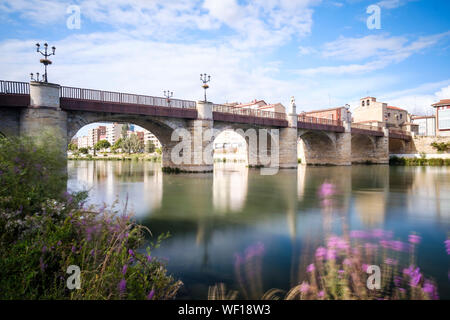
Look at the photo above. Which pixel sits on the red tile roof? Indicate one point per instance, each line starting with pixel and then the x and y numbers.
pixel 443 102
pixel 396 108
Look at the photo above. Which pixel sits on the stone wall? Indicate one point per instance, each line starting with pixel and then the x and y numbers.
pixel 422 144
pixel 10 121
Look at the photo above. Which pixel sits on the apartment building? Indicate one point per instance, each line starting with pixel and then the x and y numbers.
pixel 259 105
pixel 339 114
pixel 376 113
pixel 427 125
pixel 442 109
pixel 113 132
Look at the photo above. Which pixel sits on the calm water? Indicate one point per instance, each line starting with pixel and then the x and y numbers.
pixel 214 216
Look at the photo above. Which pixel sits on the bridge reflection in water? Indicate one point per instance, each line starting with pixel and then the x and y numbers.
pixel 214 216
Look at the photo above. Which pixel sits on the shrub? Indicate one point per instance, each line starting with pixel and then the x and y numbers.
pixel 340 271
pixel 43 234
pixel 440 146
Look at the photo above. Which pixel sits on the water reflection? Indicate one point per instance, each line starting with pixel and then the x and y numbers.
pixel 214 216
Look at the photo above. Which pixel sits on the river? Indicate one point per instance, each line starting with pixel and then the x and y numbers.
pixel 213 218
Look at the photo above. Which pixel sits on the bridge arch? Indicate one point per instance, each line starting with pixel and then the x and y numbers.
pixel 250 137
pixel 316 147
pixel 364 148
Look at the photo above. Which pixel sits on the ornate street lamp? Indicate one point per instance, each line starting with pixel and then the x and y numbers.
pixel 168 94
pixel 205 79
pixel 45 61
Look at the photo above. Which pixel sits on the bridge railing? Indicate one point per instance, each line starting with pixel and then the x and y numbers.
pixel 399 131
pixel 119 97
pixel 314 120
pixel 249 112
pixel 366 127
pixel 14 87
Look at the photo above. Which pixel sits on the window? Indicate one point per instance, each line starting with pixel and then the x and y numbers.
pixel 444 119
pixel 368 102
pixel 363 103
pixel 401 115
pixel 389 114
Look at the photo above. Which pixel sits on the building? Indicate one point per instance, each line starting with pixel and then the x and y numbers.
pixel 375 113
pixel 427 125
pixel 259 105
pixel 96 134
pixel 442 117
pixel 83 142
pixel 339 114
pixel 113 132
pixel 150 137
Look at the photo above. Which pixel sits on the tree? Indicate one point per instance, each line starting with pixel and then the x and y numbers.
pixel 149 147
pixel 117 145
pixel 72 147
pixel 125 129
pixel 84 150
pixel 132 144
pixel 102 144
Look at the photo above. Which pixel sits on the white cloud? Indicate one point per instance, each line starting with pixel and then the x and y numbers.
pixel 393 4
pixel 379 51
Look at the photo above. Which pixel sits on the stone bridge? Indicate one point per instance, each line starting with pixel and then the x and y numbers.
pixel 28 108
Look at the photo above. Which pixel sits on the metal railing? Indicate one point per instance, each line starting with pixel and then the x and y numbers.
pixel 119 97
pixel 14 87
pixel 314 120
pixel 399 131
pixel 367 127
pixel 249 112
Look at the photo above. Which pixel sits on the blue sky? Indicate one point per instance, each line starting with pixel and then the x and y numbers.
pixel 321 52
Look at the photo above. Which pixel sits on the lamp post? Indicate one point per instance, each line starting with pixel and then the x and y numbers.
pixel 168 94
pixel 204 78
pixel 45 61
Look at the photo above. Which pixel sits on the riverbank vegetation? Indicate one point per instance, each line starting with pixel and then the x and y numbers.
pixel 344 268
pixel 422 161
pixel 44 230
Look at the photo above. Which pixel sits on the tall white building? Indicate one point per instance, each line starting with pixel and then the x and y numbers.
pixel 113 132
pixel 83 142
pixel 148 136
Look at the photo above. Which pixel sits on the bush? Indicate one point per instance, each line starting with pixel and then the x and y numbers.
pixel 340 271
pixel 44 230
pixel 441 146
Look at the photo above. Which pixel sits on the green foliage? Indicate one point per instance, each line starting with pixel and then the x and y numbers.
pixel 117 145
pixel 31 171
pixel 102 144
pixel 72 147
pixel 441 146
pixel 132 144
pixel 158 150
pixel 422 161
pixel 149 147
pixel 84 150
pixel 43 230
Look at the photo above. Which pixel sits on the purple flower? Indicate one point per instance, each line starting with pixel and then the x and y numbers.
pixel 311 268
pixel 150 295
pixel 124 269
pixel 59 243
pixel 92 252
pixel 430 289
pixel 321 252
pixel 397 281
pixel 390 261
pixel 364 267
pixel 415 239
pixel 331 254
pixel 73 249
pixel 414 274
pixel 122 286
pixel 304 287
pixel 130 252
pixel 321 294
pixel 42 265
pixel 149 258
pixel 44 249
pixel 358 234
pixel 254 250
pixel 397 245
pixel 347 262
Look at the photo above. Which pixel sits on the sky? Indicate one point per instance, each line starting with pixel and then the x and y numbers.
pixel 325 53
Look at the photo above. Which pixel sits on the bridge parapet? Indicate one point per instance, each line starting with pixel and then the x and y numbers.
pixel 120 97
pixel 367 129
pixel 14 87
